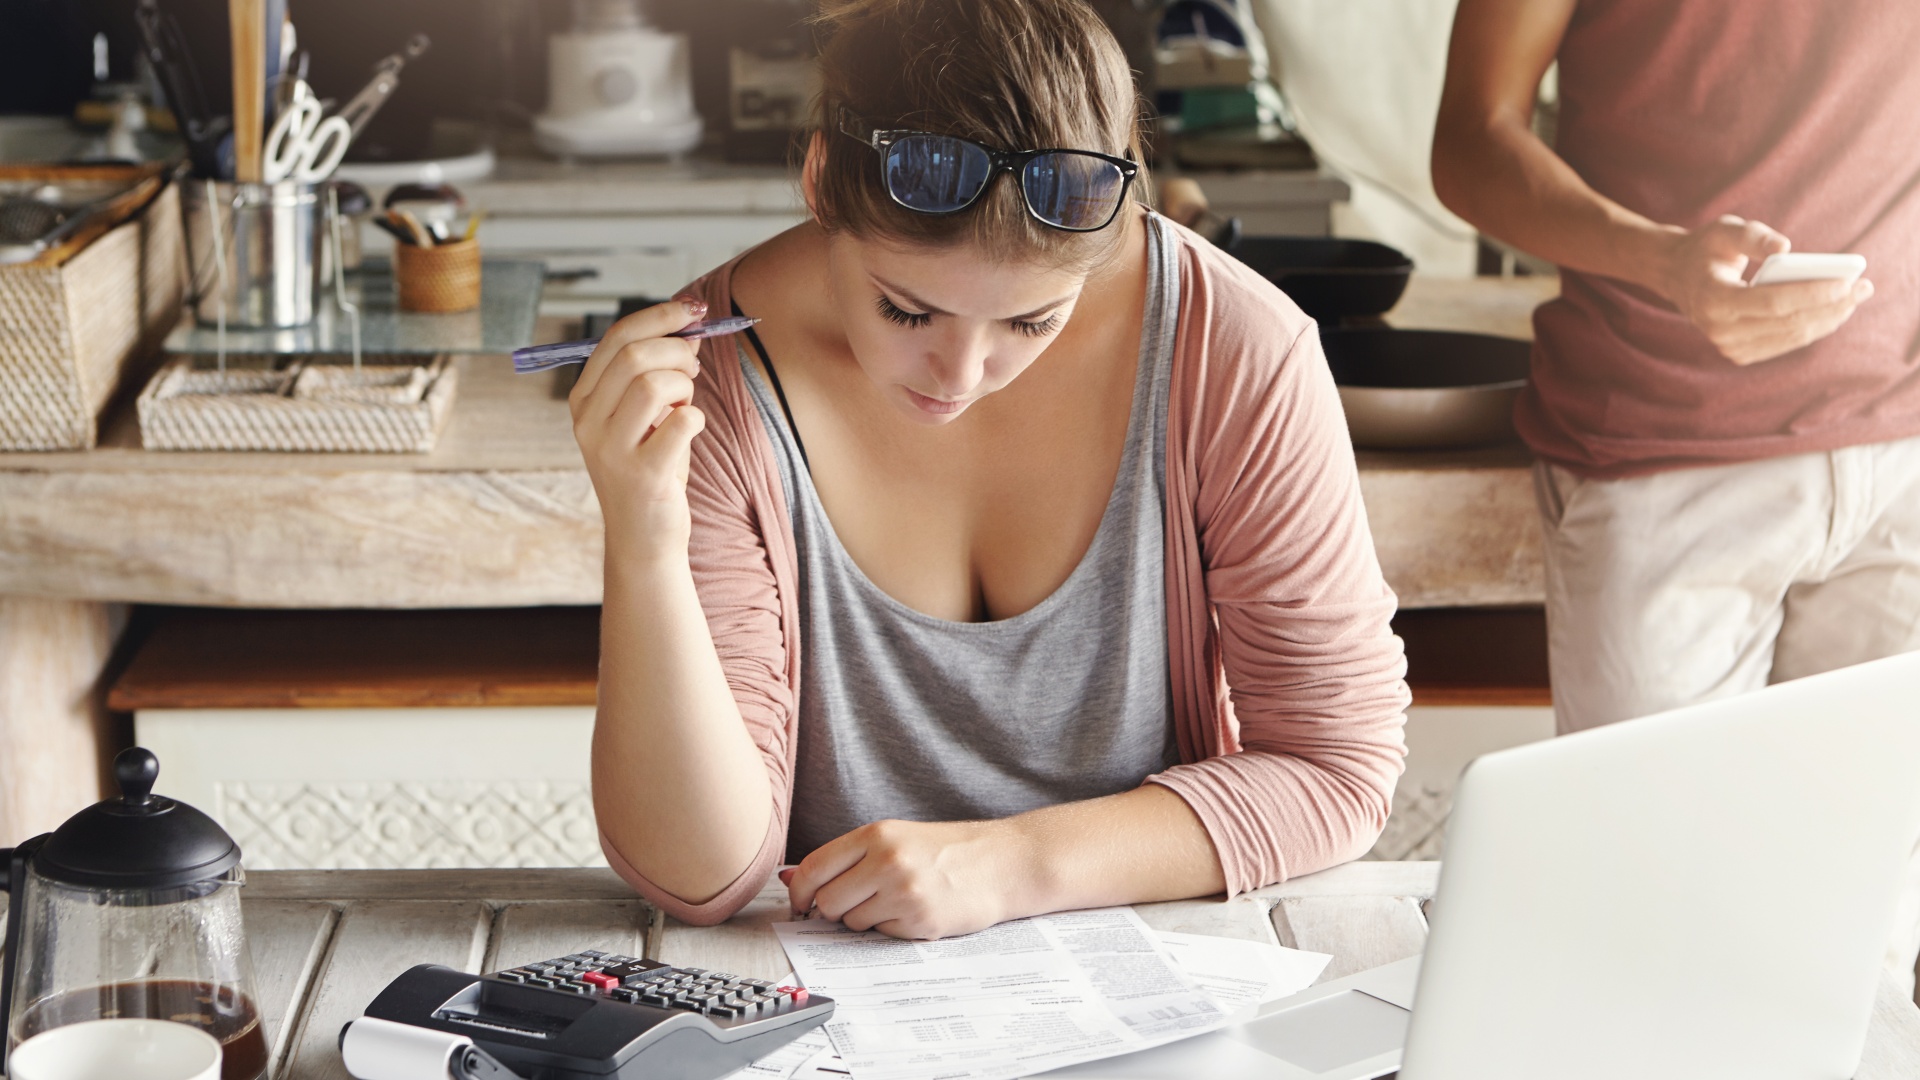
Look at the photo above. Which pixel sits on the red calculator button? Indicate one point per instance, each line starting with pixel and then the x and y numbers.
pixel 600 979
pixel 797 993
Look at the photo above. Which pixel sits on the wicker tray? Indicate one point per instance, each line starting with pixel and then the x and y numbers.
pixel 396 406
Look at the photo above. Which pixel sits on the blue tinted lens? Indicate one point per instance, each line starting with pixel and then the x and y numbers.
pixel 936 175
pixel 1073 191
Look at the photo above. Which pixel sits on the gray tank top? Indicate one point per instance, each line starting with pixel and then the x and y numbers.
pixel 904 715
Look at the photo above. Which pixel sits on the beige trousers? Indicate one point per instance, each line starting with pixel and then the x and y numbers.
pixel 1670 589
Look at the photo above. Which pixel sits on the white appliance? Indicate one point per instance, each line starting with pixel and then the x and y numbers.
pixel 1610 906
pixel 616 87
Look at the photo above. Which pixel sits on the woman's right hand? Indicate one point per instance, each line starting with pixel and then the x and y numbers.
pixel 635 425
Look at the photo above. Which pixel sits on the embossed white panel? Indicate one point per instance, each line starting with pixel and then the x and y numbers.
pixel 355 826
pixel 385 788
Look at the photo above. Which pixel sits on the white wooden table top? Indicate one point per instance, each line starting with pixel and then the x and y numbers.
pixel 326 942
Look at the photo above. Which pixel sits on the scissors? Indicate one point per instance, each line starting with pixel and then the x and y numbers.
pixel 302 146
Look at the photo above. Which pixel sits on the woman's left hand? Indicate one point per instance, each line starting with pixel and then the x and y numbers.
pixel 913 879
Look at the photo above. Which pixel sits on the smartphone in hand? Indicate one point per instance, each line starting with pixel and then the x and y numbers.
pixel 1808 266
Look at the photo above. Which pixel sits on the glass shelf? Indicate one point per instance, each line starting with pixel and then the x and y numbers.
pixel 509 301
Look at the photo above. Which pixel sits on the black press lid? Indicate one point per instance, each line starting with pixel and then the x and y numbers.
pixel 139 840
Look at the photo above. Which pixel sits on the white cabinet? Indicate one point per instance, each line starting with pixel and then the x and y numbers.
pixel 386 788
pixel 596 260
pixel 619 229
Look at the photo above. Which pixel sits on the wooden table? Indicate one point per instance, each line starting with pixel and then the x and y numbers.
pixel 501 513
pixel 325 942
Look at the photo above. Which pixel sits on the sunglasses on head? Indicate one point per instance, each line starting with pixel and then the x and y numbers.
pixel 1075 190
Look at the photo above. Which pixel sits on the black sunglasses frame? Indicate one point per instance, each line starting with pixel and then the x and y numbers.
pixel 1008 161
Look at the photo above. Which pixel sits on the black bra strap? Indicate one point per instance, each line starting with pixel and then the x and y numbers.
pixel 778 390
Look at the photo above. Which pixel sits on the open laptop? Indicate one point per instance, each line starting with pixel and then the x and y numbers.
pixel 1706 892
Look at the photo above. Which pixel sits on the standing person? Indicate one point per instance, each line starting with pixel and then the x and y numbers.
pixel 1729 475
pixel 1016 562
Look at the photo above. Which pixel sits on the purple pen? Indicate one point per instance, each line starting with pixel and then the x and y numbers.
pixel 560 353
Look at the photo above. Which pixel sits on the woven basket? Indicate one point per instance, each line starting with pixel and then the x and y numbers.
pixel 442 278
pixel 72 320
pixel 391 407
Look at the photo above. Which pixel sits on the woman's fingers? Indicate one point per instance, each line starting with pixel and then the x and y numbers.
pixel 653 323
pixel 874 912
pixel 644 405
pixel 826 863
pixel 908 878
pixel 673 440
pixel 635 424
pixel 859 886
pixel 631 362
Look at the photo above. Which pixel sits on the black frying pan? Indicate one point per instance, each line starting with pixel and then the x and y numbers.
pixel 1330 279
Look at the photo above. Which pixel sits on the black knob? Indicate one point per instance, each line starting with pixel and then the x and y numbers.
pixel 136 768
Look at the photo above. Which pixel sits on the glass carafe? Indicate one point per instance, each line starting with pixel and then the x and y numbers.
pixel 132 909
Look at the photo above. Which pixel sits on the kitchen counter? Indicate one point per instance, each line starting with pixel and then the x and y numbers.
pixel 325 943
pixel 1459 528
pixel 501 514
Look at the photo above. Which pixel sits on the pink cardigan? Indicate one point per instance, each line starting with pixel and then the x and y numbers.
pixel 1288 691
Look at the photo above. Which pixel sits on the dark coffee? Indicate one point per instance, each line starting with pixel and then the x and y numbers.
pixel 220 1011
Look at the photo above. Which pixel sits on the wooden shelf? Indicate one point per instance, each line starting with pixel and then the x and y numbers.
pixel 198 658
pixel 1476 656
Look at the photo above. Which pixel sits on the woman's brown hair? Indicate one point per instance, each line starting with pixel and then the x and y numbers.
pixel 1009 74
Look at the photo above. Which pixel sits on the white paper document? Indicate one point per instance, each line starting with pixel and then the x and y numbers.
pixel 809 1057
pixel 1019 998
pixel 1236 974
pixel 1241 974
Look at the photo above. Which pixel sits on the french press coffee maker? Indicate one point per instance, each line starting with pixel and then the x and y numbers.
pixel 131 909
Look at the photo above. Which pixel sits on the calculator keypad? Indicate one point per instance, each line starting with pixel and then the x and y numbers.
pixel 634 981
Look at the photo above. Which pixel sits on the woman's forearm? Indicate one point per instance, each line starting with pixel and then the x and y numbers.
pixel 679 788
pixel 931 879
pixel 1139 846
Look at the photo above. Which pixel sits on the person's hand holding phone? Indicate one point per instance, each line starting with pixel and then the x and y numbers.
pixel 1706 278
pixel 635 425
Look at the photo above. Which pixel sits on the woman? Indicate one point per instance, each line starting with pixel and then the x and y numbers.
pixel 938 581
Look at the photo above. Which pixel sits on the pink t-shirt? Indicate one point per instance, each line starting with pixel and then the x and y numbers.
pixel 1804 115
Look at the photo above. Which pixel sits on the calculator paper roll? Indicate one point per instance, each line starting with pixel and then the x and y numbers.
pixel 375 1049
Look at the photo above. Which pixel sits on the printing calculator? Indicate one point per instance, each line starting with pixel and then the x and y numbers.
pixel 607 1017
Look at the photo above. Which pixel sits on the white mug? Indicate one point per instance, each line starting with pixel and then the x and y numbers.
pixel 123 1049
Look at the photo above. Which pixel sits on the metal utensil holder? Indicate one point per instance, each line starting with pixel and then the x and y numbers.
pixel 253 251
